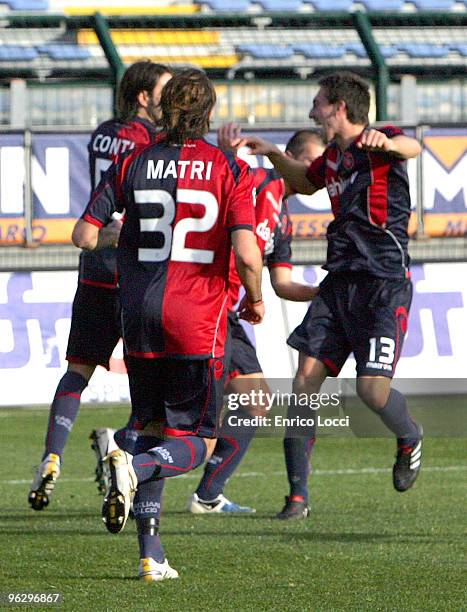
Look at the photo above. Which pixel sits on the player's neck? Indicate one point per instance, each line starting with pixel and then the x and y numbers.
pixel 348 134
pixel 142 114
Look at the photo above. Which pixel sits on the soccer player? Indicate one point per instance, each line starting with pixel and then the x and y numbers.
pixel 187 203
pixel 274 235
pixel 96 303
pixel 364 300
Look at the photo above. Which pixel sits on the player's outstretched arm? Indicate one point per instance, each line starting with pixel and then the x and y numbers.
pixel 400 146
pixel 249 267
pixel 284 287
pixel 294 172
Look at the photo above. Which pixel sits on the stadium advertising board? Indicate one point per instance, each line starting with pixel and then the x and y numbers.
pixel 35 311
pixel 60 186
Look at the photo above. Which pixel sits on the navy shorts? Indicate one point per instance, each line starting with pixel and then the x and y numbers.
pixel 184 395
pixel 95 325
pixel 359 313
pixel 242 355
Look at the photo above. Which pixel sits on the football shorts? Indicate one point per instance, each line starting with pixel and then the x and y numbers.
pixel 360 313
pixel 95 326
pixel 185 395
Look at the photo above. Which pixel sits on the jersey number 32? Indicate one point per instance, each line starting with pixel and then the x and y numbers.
pixel 175 236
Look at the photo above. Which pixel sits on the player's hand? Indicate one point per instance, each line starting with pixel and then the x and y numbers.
pixel 110 233
pixel 373 140
pixel 313 293
pixel 256 145
pixel 251 312
pixel 227 134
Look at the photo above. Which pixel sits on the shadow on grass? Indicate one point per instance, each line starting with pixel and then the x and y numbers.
pixel 277 535
pixel 44 515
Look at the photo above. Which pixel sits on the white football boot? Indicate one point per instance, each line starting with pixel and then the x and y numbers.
pixel 44 482
pixel 102 444
pixel 219 505
pixel 151 571
pixel 119 496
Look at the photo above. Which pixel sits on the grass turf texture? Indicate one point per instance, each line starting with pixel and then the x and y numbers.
pixel 364 547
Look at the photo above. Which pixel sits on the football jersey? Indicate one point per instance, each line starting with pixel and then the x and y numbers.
pixel 370 199
pixel 111 140
pixel 273 227
pixel 181 204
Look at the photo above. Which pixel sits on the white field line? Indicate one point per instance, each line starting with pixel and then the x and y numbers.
pixel 347 472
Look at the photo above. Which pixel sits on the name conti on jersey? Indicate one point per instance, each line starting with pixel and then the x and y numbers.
pixel 161 169
pixel 112 145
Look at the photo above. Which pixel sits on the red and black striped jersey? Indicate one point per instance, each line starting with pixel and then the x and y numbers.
pixel 273 226
pixel 370 199
pixel 181 204
pixel 110 141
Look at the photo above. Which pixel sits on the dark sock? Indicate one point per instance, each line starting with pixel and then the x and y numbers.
pixel 227 456
pixel 396 417
pixel 297 452
pixel 147 511
pixel 170 457
pixel 64 411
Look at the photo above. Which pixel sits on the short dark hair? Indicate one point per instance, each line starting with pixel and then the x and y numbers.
pixel 140 76
pixel 351 89
pixel 186 103
pixel 300 139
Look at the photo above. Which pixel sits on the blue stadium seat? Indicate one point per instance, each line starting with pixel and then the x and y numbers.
pixel 280 5
pixel 383 5
pixel 226 5
pixel 17 53
pixel 328 5
pixel 266 51
pixel 461 47
pixel 318 50
pixel 360 51
pixel 28 5
pixel 64 52
pixel 424 50
pixel 433 5
pixel 357 48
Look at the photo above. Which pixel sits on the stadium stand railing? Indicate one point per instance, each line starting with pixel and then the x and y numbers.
pixel 265 58
pixel 242 47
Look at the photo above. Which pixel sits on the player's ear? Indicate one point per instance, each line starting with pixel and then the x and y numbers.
pixel 341 106
pixel 143 98
pixel 288 154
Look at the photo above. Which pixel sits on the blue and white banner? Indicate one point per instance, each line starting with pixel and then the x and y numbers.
pixel 35 310
pixel 60 186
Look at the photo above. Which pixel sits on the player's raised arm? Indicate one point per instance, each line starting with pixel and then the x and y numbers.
pixel 227 135
pixel 249 266
pixel 401 146
pixel 294 172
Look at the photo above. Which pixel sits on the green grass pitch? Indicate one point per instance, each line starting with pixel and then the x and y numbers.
pixel 364 547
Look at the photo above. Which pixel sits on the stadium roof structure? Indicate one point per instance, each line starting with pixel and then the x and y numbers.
pixel 379 45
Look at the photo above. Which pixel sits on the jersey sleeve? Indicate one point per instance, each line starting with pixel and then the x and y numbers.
pixel 241 211
pixel 391 131
pixel 269 194
pixel 315 173
pixel 106 199
pixel 282 250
